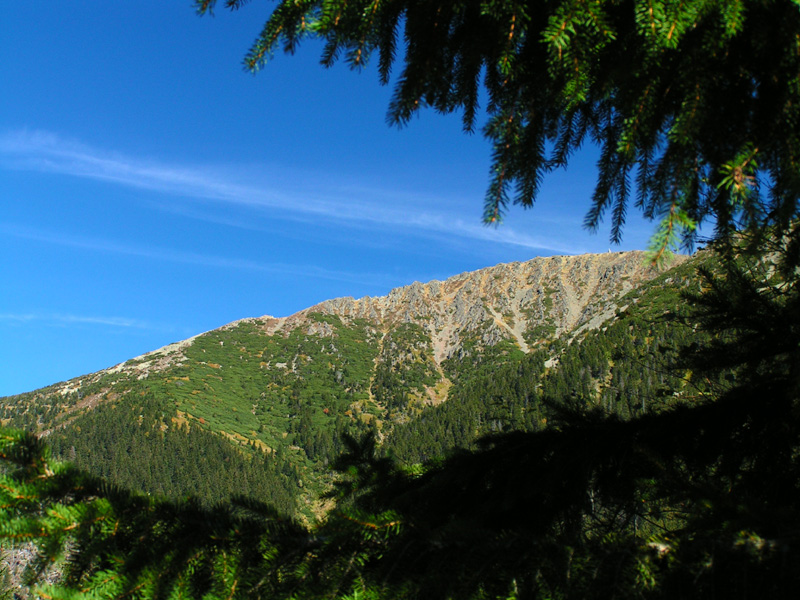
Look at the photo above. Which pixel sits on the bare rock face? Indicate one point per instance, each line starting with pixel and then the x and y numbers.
pixel 522 302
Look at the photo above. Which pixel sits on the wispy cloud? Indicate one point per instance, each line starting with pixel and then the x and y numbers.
pixel 341 203
pixel 192 258
pixel 68 319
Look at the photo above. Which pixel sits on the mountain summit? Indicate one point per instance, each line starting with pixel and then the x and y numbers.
pixel 525 303
pixel 288 388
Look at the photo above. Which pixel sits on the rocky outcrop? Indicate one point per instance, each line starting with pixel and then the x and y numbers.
pixel 522 302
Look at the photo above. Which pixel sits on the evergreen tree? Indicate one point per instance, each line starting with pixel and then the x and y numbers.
pixel 695 104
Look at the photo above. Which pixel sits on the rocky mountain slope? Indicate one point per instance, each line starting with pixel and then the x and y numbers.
pixel 522 303
pixel 288 387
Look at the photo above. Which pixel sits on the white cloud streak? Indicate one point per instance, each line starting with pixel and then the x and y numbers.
pixel 68 319
pixel 191 258
pixel 344 205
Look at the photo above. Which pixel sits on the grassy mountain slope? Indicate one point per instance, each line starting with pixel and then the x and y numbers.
pixel 258 407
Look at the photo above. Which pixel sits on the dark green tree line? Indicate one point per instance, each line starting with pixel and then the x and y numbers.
pixel 139 449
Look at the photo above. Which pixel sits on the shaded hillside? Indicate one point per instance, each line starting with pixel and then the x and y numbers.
pixel 279 392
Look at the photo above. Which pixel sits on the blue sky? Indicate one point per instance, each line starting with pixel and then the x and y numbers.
pixel 150 189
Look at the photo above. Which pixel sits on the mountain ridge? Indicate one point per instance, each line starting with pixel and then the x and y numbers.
pixel 290 387
pixel 457 310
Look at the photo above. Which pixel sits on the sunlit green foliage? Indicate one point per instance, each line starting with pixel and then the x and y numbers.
pixel 630 463
pixel 405 368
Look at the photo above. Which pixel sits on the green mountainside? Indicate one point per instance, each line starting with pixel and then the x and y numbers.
pixel 259 406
